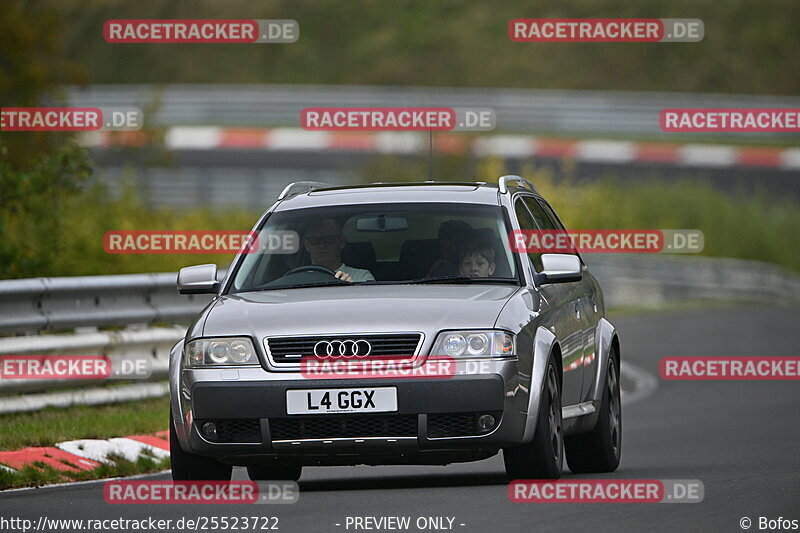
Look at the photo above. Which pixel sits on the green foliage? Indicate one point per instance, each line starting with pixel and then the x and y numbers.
pixel 38 170
pixel 741 225
pixel 45 237
pixel 748 47
pixel 32 210
pixel 73 244
pixel 52 222
pixel 33 66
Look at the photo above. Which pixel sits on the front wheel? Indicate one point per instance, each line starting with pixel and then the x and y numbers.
pixel 600 449
pixel 188 466
pixel 543 457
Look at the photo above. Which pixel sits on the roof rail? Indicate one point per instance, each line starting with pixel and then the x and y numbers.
pixel 505 180
pixel 301 186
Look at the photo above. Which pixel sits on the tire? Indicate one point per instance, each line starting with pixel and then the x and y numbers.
pixel 188 466
pixel 601 449
pixel 274 472
pixel 543 457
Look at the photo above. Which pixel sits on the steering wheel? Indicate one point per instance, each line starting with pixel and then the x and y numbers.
pixel 312 268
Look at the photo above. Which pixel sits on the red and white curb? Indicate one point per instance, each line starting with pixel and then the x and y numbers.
pixel 86 454
pixel 587 150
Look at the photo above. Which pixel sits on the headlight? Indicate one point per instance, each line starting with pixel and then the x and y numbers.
pixel 220 351
pixel 487 343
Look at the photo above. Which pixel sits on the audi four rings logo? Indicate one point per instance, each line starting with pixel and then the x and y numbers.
pixel 343 348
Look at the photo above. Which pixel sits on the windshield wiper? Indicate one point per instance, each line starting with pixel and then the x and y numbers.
pixel 269 287
pixel 440 279
pixel 461 279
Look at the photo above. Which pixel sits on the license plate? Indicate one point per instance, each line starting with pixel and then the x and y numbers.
pixel 324 401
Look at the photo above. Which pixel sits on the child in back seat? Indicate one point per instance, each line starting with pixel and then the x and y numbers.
pixel 476 259
pixel 452 233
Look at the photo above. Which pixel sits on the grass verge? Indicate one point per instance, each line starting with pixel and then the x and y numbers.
pixel 38 474
pixel 52 425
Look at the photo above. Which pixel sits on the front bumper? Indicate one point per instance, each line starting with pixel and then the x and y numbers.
pixel 431 424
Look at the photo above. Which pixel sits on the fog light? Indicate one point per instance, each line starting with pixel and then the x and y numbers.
pixel 486 422
pixel 210 430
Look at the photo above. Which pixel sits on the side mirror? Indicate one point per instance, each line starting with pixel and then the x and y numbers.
pixel 200 279
pixel 559 268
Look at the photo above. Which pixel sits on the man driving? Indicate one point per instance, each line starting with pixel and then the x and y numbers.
pixel 324 242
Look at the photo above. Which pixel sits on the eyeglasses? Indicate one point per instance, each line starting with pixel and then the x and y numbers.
pixel 327 239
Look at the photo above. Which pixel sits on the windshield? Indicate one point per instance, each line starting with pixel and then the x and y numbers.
pixel 378 244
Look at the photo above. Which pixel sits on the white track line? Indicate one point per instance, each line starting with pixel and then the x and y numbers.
pixel 645 383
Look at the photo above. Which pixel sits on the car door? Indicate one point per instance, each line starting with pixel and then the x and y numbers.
pixel 563 300
pixel 588 307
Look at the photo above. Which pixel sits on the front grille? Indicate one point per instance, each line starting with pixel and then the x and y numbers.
pixel 235 429
pixel 334 426
pixel 289 350
pixel 456 425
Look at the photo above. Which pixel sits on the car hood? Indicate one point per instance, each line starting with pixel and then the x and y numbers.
pixel 357 309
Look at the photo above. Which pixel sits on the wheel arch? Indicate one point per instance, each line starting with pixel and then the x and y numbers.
pixel 606 339
pixel 176 406
pixel 545 345
pixel 556 353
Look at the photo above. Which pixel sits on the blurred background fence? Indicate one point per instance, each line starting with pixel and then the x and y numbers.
pixel 567 112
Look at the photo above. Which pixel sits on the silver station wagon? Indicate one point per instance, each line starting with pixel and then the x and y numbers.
pixel 320 344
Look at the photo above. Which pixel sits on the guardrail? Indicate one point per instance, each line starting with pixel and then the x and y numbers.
pixel 52 304
pixel 517 110
pixel 652 280
pixel 134 301
pixel 150 346
pixel 36 304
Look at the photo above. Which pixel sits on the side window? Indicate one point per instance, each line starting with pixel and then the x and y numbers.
pixel 553 220
pixel 551 215
pixel 543 221
pixel 527 222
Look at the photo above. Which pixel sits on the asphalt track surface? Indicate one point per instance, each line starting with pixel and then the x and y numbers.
pixel 739 438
